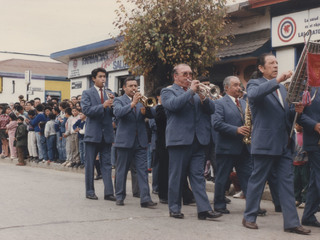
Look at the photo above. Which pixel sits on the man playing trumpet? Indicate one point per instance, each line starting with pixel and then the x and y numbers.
pixel 187 133
pixel 131 142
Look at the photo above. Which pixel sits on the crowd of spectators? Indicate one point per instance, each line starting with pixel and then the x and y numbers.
pixel 47 132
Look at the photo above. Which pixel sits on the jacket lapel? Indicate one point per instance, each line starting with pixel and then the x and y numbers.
pixel 233 106
pixel 96 95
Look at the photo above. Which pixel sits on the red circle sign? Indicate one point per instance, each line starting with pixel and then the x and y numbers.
pixel 287 29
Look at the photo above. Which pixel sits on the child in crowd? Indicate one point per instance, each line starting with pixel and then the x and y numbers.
pixel 301 169
pixel 74 144
pixel 11 130
pixel 79 128
pixel 67 136
pixel 50 135
pixel 21 136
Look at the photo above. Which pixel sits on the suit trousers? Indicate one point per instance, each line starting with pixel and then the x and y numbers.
pixel 225 163
pixel 313 194
pixel 262 165
pixel 187 160
pixel 125 156
pixel 91 151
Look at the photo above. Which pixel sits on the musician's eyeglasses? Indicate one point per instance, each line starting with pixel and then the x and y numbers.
pixel 187 74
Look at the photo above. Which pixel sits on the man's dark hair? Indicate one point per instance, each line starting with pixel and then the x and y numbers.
pixel 22 100
pixel 57 100
pixel 52 116
pixel 261 61
pixel 21 97
pixel 64 104
pixel 31 102
pixel 39 107
pixel 19 108
pixel 56 109
pixel 12 116
pixel 68 111
pixel 130 78
pixel 77 97
pixel 204 79
pixel 36 98
pixel 32 112
pixel 48 108
pixel 94 72
pixel 20 118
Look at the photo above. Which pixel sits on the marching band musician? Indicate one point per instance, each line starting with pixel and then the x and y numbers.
pixel 231 151
pixel 187 132
pixel 131 142
pixel 269 143
pixel 310 120
pixel 96 105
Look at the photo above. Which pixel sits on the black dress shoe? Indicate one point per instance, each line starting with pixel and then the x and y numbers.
pixel 93 197
pixel 298 230
pixel 227 200
pixel 119 203
pixel 208 214
pixel 222 210
pixel 98 177
pixel 177 215
pixel 110 198
pixel 312 224
pixel 149 204
pixel 163 201
pixel 262 212
pixel 277 209
pixel 192 201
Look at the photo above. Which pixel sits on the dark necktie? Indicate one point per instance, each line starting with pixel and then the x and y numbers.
pixel 101 95
pixel 239 107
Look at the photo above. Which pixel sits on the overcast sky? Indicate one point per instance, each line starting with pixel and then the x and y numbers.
pixel 48 26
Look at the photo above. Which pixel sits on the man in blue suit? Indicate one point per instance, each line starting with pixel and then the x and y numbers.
pixel 231 151
pixel 187 133
pixel 310 121
pixel 269 143
pixel 131 142
pixel 96 104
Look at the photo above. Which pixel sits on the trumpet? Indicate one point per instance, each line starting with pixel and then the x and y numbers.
pixel 212 91
pixel 147 101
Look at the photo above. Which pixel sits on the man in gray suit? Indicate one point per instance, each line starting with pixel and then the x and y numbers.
pixel 269 143
pixel 228 121
pixel 187 133
pixel 310 120
pixel 96 105
pixel 131 142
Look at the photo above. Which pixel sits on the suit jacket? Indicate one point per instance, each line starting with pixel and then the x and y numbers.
pixel 99 119
pixel 187 117
pixel 226 120
pixel 309 118
pixel 271 121
pixel 130 123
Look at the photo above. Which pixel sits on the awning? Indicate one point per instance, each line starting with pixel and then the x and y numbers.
pixel 249 45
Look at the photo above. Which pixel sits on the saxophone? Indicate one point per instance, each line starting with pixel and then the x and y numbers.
pixel 247 123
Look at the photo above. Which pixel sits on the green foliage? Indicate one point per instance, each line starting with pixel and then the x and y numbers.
pixel 168 32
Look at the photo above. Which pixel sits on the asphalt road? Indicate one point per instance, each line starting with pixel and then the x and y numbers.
pixel 38 203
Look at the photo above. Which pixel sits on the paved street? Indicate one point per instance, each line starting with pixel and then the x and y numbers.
pixel 39 203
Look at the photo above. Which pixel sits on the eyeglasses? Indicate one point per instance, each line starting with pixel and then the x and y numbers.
pixel 186 74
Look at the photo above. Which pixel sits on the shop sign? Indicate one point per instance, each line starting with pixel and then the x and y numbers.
pixel 290 29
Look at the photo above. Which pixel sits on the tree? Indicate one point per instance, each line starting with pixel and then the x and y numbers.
pixel 158 34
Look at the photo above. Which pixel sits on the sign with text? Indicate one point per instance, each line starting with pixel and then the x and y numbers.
pixel 290 29
pixel 83 66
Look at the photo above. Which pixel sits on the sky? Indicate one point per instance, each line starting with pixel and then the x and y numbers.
pixel 47 26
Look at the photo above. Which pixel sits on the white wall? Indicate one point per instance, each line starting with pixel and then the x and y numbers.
pixel 285 57
pixel 8 96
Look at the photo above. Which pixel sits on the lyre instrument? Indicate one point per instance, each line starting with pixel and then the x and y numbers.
pixel 299 81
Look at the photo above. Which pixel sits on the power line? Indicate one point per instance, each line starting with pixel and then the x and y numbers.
pixel 28 54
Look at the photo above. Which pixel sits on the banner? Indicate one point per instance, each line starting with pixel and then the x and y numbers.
pixel 313 69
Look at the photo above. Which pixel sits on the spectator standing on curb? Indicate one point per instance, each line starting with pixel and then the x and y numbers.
pixel 11 130
pixel 21 136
